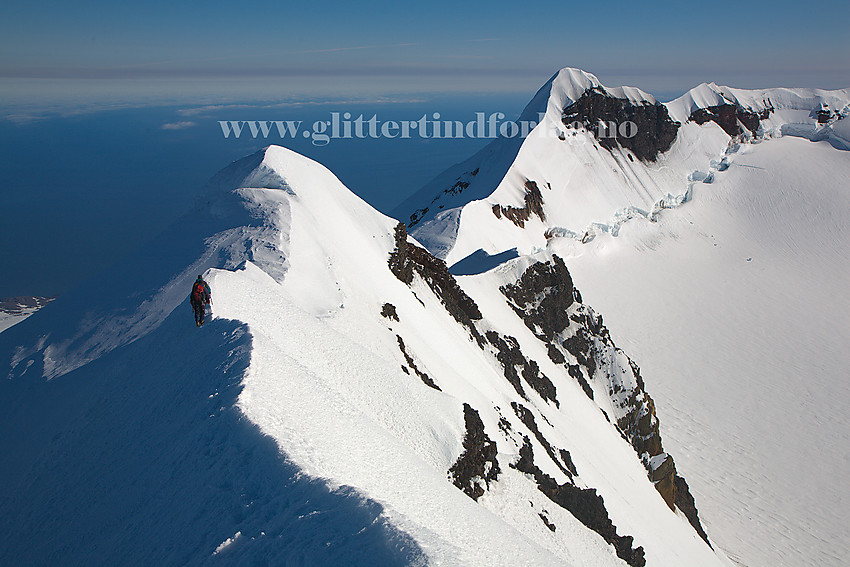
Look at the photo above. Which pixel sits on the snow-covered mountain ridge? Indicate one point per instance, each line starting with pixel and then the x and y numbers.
pixel 720 300
pixel 572 178
pixel 352 402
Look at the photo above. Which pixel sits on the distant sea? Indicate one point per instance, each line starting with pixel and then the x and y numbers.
pixel 79 190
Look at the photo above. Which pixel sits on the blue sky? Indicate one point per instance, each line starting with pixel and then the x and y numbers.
pixel 440 45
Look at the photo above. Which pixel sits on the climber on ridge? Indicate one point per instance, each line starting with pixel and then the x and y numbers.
pixel 200 298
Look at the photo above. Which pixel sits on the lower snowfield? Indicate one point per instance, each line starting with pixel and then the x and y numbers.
pixel 736 307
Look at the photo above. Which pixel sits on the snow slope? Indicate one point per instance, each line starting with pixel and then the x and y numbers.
pixel 587 189
pixel 331 411
pixel 13 310
pixel 737 306
pixel 720 265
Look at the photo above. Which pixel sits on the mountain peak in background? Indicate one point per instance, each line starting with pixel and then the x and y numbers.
pixel 591 178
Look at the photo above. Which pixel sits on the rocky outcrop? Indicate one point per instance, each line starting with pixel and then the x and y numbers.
pixel 576 338
pixel 527 418
pixel 730 117
pixel 412 364
pixel 408 259
pixel 461 183
pixel 583 503
pixel 533 206
pixel 685 503
pixel 477 466
pixel 541 296
pixel 514 364
pixel 546 300
pixel 654 130
pixel 388 311
pixel 23 304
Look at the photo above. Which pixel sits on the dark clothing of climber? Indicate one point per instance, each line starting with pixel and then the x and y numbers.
pixel 200 298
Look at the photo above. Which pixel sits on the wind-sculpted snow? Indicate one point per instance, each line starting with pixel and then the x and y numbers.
pixel 139 292
pixel 351 402
pixel 144 458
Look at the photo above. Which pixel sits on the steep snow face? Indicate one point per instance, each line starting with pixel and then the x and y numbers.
pixel 353 361
pixel 736 307
pixel 568 178
pixel 351 402
pixel 734 301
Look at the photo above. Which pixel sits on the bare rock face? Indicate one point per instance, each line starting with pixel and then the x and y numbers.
pixel 654 133
pixel 583 503
pixel 511 358
pixel 663 475
pixel 477 466
pixel 388 310
pixel 824 115
pixel 23 304
pixel 546 300
pixel 408 258
pixel 543 314
pixel 427 380
pixel 728 116
pixel 685 503
pixel 533 206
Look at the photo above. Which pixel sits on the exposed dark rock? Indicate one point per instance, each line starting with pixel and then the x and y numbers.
pixel 541 298
pixel 407 259
pixel 388 311
pixel 417 215
pixel 547 523
pixel 24 303
pixel 580 345
pixel 510 357
pixel 685 503
pixel 574 371
pixel 533 206
pixel 587 506
pixel 505 426
pixel 568 461
pixel 654 133
pixel 527 418
pixel 640 425
pixel 555 355
pixel 663 477
pixel 457 188
pixel 409 359
pixel 727 117
pixel 477 464
pixel 400 263
pixel 539 382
